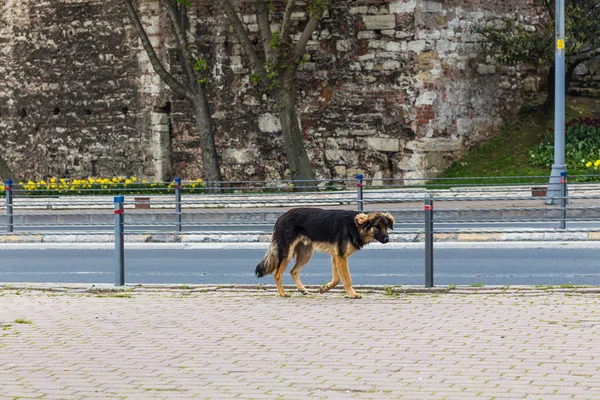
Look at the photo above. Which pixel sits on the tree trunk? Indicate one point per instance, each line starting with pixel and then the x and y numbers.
pixel 210 160
pixel 550 89
pixel 298 162
pixel 551 83
pixel 5 172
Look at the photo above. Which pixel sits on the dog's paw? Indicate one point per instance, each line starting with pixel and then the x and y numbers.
pixel 355 296
pixel 323 289
pixel 285 294
pixel 303 291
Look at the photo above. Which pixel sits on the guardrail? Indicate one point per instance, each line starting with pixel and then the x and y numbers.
pixel 247 211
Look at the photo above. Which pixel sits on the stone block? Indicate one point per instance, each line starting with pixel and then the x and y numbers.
pixel 426 98
pixel 358 10
pixel 238 156
pixel 340 170
pixel 379 22
pixel 384 144
pixel 343 45
pixel 298 16
pixel 531 84
pixel 269 123
pixel 406 6
pixel 365 132
pixel 435 145
pixel 393 47
pixel 391 65
pixel 417 46
pixel 485 69
pixel 431 7
pixel 342 157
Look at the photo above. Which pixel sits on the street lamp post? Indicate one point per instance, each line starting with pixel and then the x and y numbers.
pixel 559 167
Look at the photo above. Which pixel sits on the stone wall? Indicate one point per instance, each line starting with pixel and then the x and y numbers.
pixel 392 89
pixel 586 79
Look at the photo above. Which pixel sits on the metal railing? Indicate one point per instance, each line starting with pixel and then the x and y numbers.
pixel 251 208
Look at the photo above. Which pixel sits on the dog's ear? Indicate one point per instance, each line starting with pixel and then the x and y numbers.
pixel 363 221
pixel 390 220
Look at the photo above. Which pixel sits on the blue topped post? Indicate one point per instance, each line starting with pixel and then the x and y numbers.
pixel 359 192
pixel 119 242
pixel 178 203
pixel 9 206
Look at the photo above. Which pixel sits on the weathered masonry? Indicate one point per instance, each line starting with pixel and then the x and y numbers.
pixel 391 89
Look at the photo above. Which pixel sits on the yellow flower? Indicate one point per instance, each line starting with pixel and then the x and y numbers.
pixel 588 164
pixel 91 180
pixel 133 178
pixel 52 180
pixel 128 181
pixel 597 163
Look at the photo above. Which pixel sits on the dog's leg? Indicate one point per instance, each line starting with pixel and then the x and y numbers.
pixel 279 275
pixel 342 264
pixel 303 254
pixel 335 277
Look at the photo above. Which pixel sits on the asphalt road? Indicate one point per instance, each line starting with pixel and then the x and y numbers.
pixel 557 264
pixel 268 228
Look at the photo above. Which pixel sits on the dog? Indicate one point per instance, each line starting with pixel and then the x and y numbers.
pixel 339 233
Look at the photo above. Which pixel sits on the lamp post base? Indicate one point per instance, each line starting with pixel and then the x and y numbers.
pixel 558 177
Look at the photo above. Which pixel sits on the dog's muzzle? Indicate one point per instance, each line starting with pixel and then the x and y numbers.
pixel 382 238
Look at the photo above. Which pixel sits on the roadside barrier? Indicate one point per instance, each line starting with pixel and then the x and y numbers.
pixel 247 210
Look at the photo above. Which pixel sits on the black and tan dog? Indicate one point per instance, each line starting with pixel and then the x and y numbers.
pixel 339 233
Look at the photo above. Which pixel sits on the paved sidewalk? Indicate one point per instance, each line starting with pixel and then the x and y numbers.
pixel 199 343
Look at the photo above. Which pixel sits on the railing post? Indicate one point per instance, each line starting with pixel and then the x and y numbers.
pixel 428 208
pixel 359 192
pixel 563 199
pixel 119 242
pixel 9 206
pixel 178 204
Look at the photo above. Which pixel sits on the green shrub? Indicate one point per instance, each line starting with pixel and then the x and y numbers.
pixel 582 143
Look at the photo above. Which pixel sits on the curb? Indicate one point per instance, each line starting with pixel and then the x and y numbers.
pixel 522 290
pixel 466 237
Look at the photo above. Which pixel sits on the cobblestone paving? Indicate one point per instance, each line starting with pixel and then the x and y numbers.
pixel 182 344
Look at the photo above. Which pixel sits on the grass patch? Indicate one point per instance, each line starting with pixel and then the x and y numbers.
pixel 116 295
pixel 507 154
pixel 567 286
pixel 477 284
pixel 23 321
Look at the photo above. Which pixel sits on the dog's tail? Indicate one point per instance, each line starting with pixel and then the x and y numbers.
pixel 270 261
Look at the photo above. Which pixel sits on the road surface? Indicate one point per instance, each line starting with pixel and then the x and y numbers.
pixel 400 264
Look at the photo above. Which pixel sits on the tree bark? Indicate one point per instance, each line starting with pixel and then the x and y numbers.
pixel 193 90
pixel 210 159
pixel 159 68
pixel 299 164
pixel 5 172
pixel 549 89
